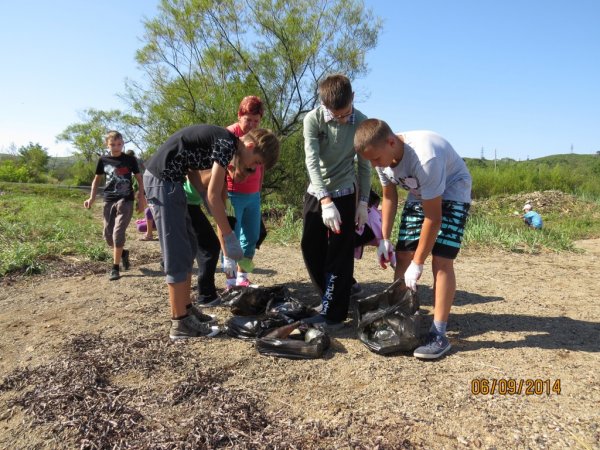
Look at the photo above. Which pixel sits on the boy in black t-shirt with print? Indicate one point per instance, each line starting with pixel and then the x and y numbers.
pixel 118 168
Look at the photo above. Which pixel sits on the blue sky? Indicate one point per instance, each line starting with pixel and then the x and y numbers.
pixel 521 78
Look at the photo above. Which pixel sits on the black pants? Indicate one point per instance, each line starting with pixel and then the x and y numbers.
pixel 208 253
pixel 328 256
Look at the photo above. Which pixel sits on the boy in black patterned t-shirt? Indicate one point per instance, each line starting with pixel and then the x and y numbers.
pixel 118 168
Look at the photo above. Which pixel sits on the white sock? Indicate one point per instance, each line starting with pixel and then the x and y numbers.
pixel 230 282
pixel 242 276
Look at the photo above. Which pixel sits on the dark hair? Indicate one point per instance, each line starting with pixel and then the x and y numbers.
pixel 335 92
pixel 267 145
pixel 370 132
pixel 251 105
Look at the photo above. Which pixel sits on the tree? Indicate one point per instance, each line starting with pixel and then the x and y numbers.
pixel 201 57
pixel 88 136
pixel 34 157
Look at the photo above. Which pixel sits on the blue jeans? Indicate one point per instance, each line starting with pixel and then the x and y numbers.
pixel 247 214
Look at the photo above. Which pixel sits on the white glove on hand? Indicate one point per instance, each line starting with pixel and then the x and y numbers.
pixel 229 266
pixel 362 214
pixel 331 217
pixel 232 249
pixel 412 275
pixel 386 253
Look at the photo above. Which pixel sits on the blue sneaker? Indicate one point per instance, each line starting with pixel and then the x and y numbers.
pixel 356 290
pixel 435 347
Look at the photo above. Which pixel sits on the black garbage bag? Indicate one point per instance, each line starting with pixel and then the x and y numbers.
pixel 252 327
pixel 310 343
pixel 290 307
pixel 390 322
pixel 251 301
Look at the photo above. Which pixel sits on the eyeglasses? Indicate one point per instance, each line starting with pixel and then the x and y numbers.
pixel 341 116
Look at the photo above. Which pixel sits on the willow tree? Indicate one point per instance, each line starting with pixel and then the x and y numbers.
pixel 201 57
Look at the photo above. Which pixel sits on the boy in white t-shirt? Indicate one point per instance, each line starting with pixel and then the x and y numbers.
pixel 434 214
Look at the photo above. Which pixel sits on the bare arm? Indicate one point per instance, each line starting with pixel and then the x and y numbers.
pixel 88 203
pixel 141 194
pixel 431 225
pixel 216 199
pixel 389 206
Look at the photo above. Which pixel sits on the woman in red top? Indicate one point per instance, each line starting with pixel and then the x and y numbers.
pixel 245 196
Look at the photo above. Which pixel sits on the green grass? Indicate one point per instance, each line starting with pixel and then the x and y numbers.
pixel 493 224
pixel 41 223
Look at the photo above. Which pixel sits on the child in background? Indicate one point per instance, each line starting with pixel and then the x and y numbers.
pixel 330 204
pixel 245 196
pixel 184 154
pixel 146 225
pixel 118 168
pixel 434 215
pixel 531 218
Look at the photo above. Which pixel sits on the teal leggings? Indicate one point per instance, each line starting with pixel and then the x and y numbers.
pixel 247 214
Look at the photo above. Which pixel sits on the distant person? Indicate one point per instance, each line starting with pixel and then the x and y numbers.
pixel 245 196
pixel 118 169
pixel 531 218
pixel 140 161
pixel 335 203
pixel 150 226
pixel 433 218
pixel 141 166
pixel 184 154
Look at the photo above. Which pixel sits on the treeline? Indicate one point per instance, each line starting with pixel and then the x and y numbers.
pixel 574 174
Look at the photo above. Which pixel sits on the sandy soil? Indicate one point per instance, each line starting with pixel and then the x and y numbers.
pixel 516 316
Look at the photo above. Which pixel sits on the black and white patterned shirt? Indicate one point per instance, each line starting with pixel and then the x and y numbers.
pixel 196 147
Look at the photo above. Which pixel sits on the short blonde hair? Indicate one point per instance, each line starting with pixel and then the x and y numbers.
pixel 113 135
pixel 267 145
pixel 371 132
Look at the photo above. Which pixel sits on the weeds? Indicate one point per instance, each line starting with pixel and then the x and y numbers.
pixel 37 225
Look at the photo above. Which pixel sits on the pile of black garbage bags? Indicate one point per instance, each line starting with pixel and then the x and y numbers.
pixel 273 318
pixel 388 322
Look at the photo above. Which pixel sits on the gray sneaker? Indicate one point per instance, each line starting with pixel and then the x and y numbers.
pixel 435 347
pixel 204 318
pixel 190 327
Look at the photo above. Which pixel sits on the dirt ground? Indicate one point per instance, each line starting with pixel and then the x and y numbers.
pixel 516 316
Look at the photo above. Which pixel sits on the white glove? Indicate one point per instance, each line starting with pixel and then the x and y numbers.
pixel 233 249
pixel 331 217
pixel 229 266
pixel 412 275
pixel 362 214
pixel 386 253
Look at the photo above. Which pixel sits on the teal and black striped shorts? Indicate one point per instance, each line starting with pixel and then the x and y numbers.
pixel 447 244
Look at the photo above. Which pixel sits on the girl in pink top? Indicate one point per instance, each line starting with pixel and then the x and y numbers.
pixel 245 196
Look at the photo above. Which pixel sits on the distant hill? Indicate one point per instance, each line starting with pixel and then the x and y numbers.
pixel 569 159
pixel 59 162
pixel 4 156
pixel 54 162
